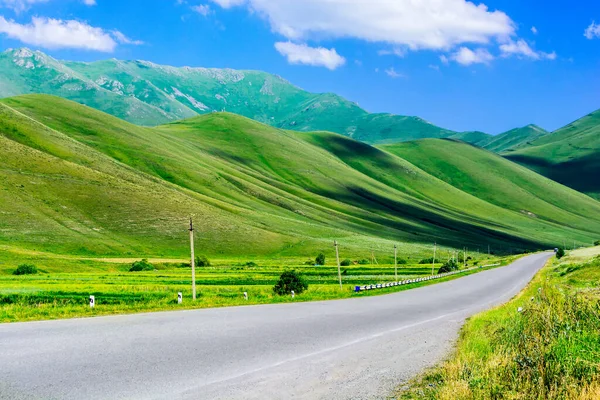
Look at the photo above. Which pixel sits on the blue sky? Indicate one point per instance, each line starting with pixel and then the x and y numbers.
pixel 460 65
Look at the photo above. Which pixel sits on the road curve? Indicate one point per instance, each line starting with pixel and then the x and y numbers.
pixel 344 349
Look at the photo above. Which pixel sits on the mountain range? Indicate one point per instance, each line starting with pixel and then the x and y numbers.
pixel 148 94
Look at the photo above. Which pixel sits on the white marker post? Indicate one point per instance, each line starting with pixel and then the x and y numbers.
pixel 245 295
pixel 193 261
pixel 337 259
pixel 179 298
pixel 396 262
pixel 92 301
pixel 293 294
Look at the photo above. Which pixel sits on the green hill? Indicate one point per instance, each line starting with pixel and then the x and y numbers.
pixel 513 139
pixel 570 155
pixel 148 94
pixel 78 181
pixel 475 137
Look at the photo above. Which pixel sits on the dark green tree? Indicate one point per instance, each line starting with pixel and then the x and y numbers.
pixel 26 269
pixel 560 253
pixel 449 266
pixel 320 260
pixel 288 281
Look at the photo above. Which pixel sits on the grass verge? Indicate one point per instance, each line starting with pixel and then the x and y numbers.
pixel 544 344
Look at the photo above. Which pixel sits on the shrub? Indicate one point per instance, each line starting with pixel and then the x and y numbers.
pixel 251 264
pixel 449 266
pixel 364 261
pixel 142 265
pixel 320 260
pixel 288 281
pixel 560 253
pixel 202 261
pixel 426 261
pixel 402 261
pixel 26 269
pixel 597 243
pixel 346 263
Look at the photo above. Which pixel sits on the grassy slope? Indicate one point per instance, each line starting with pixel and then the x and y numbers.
pixel 498 181
pixel 570 155
pixel 513 139
pixel 549 351
pixel 95 184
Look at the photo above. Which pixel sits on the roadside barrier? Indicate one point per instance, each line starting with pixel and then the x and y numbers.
pixel 417 280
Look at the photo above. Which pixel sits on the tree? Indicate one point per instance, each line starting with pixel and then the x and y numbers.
pixel 142 265
pixel 560 253
pixel 320 260
pixel 202 261
pixel 288 281
pixel 346 262
pixel 449 266
pixel 26 269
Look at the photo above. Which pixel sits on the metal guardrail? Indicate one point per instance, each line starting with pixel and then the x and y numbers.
pixel 417 280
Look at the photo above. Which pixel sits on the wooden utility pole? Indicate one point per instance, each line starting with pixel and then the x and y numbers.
pixel 465 257
pixel 337 259
pixel 193 259
pixel 433 263
pixel 396 262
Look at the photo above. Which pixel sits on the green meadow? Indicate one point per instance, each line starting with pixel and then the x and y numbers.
pixel 62 286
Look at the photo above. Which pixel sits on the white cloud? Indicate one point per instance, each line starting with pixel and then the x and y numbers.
pixel 121 38
pixel 434 67
pixel 396 51
pixel 444 59
pixel 23 5
pixel 534 30
pixel 315 56
pixel 55 34
pixel 423 24
pixel 466 56
pixel 521 48
pixel 229 3
pixel 391 72
pixel 592 31
pixel 202 9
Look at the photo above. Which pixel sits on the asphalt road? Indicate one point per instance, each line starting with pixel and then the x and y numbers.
pixel 346 349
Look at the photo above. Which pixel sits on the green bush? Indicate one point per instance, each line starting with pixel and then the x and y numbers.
pixel 449 266
pixel 288 281
pixel 560 253
pixel 597 243
pixel 320 260
pixel 202 261
pixel 142 265
pixel 251 264
pixel 402 261
pixel 364 261
pixel 346 263
pixel 26 269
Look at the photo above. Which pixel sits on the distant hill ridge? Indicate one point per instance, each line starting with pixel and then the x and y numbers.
pixel 145 93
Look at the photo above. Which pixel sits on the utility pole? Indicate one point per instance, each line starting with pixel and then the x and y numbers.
pixel 337 259
pixel 396 262
pixel 193 261
pixel 464 257
pixel 433 263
